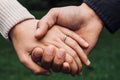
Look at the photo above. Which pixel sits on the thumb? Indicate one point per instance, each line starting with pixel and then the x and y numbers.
pixel 47 22
pixel 42 29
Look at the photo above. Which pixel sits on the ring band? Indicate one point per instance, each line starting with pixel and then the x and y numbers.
pixel 65 38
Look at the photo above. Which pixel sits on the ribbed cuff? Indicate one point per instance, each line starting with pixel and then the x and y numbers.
pixel 11 13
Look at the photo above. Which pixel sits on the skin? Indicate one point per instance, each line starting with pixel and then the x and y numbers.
pixel 82 19
pixel 57 33
pixel 25 44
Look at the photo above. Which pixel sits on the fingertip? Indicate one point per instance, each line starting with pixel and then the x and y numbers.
pixel 41 72
pixel 48 57
pixel 86 44
pixel 42 29
pixel 37 54
pixel 88 63
pixel 31 65
pixel 39 33
pixel 66 67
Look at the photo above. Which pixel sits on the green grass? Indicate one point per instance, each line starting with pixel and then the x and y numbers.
pixel 105 61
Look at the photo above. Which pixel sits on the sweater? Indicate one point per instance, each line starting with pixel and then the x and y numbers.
pixel 108 11
pixel 11 13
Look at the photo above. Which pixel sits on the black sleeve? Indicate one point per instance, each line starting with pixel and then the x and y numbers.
pixel 108 11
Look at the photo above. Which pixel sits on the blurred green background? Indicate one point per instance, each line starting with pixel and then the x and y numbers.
pixel 105 57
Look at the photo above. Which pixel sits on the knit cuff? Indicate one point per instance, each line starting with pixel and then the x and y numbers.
pixel 11 13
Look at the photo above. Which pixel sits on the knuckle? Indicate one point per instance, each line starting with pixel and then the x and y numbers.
pixel 51 47
pixel 74 43
pixel 73 54
pixel 69 60
pixel 37 52
pixel 62 50
pixel 23 61
pixel 60 56
pixel 53 9
pixel 50 51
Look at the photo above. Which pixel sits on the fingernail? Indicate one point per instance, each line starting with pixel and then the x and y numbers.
pixel 88 62
pixel 37 31
pixel 37 57
pixel 86 44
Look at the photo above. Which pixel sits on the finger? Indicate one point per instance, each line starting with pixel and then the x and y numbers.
pixel 30 64
pixel 66 67
pixel 42 28
pixel 37 54
pixel 48 56
pixel 46 22
pixel 74 45
pixel 71 52
pixel 58 60
pixel 75 36
pixel 72 63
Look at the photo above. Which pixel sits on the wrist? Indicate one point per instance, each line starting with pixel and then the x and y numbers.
pixel 90 20
pixel 91 26
pixel 14 32
pixel 88 14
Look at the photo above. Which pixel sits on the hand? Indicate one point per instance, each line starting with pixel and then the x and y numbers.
pixel 24 43
pixel 79 18
pixel 55 36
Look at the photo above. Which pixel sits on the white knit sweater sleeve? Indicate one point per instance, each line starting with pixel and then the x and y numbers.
pixel 11 13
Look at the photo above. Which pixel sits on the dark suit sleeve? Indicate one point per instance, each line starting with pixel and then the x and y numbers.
pixel 108 11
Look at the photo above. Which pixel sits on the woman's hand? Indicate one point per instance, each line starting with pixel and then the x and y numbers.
pixel 22 36
pixel 71 45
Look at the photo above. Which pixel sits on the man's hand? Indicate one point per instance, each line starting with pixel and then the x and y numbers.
pixel 79 18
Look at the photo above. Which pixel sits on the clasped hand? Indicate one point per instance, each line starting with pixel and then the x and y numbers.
pixel 39 53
